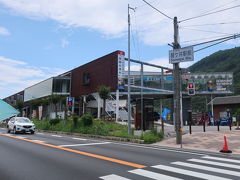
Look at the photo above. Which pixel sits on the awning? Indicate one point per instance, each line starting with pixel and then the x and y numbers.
pixel 6 111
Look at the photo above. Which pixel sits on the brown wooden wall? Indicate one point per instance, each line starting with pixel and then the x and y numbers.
pixel 102 71
pixel 219 108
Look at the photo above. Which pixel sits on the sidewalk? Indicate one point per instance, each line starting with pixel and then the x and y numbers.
pixel 211 140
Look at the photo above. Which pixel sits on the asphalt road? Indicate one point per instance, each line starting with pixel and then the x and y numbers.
pixel 52 157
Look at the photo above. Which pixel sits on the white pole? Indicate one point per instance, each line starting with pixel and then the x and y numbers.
pixel 117 105
pixel 212 107
pixel 99 106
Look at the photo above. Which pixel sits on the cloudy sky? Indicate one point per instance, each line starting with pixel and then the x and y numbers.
pixel 42 38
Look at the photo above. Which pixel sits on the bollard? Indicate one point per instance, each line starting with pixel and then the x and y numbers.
pixel 190 128
pixel 218 125
pixel 190 121
pixel 230 125
pixel 204 126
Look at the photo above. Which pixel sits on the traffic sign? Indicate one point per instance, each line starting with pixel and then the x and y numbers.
pixel 181 55
pixel 70 101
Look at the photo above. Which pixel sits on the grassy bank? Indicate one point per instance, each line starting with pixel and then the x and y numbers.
pixel 96 127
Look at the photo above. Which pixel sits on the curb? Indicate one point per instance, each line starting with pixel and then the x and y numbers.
pixel 141 143
pixel 112 138
pixel 199 151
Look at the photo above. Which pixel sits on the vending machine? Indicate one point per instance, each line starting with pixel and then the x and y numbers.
pixel 144 120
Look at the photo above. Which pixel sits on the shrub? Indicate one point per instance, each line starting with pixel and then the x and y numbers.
pixel 53 122
pixel 45 125
pixel 75 120
pixel 87 120
pixel 150 138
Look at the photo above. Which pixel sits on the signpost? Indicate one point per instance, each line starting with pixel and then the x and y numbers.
pixel 70 104
pixel 181 55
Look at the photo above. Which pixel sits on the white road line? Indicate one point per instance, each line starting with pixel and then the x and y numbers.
pixel 113 176
pixel 79 139
pixel 152 175
pixel 21 137
pixel 56 136
pixel 40 133
pixel 70 145
pixel 221 159
pixel 215 163
pixel 189 173
pixel 161 148
pixel 207 168
pixel 39 141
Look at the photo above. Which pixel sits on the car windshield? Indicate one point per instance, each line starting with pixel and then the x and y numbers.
pixel 23 120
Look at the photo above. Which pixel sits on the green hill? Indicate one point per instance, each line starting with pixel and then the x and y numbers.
pixel 221 61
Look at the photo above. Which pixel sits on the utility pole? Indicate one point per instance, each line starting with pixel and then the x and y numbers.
pixel 176 96
pixel 129 96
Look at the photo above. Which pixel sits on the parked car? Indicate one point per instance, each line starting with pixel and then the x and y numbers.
pixel 20 124
pixel 225 121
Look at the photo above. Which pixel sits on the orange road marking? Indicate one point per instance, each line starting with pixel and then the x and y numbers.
pixel 80 152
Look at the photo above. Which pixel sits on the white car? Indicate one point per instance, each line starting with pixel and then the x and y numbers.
pixel 20 124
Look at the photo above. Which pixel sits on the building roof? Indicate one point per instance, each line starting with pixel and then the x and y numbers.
pixel 6 111
pixel 226 100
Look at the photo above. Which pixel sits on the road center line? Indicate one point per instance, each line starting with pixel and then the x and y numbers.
pixel 81 152
pixel 89 144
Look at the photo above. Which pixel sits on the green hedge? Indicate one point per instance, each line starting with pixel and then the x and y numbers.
pixel 86 125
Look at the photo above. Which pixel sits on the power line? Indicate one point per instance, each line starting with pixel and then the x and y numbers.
pixel 202 15
pixel 219 6
pixel 157 10
pixel 223 38
pixel 216 43
pixel 207 31
pixel 201 39
pixel 136 42
pixel 210 24
pixel 146 4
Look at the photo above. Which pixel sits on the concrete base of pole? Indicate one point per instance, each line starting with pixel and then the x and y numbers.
pixel 178 137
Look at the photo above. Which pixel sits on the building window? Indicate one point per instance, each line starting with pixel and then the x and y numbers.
pixel 86 78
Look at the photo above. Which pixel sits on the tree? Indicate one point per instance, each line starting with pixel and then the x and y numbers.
pixel 55 99
pixel 19 105
pixel 104 93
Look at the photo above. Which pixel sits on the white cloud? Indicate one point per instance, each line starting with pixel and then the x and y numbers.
pixel 64 43
pixel 4 31
pixel 110 17
pixel 11 61
pixel 16 75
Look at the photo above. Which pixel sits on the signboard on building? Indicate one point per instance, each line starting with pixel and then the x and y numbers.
pixel 121 66
pixel 181 55
pixel 209 83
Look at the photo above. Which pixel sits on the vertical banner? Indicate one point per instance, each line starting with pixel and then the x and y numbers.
pixel 121 67
pixel 40 109
pixel 34 114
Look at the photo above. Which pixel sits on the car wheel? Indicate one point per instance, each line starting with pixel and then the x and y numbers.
pixel 32 132
pixel 14 130
pixel 8 130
